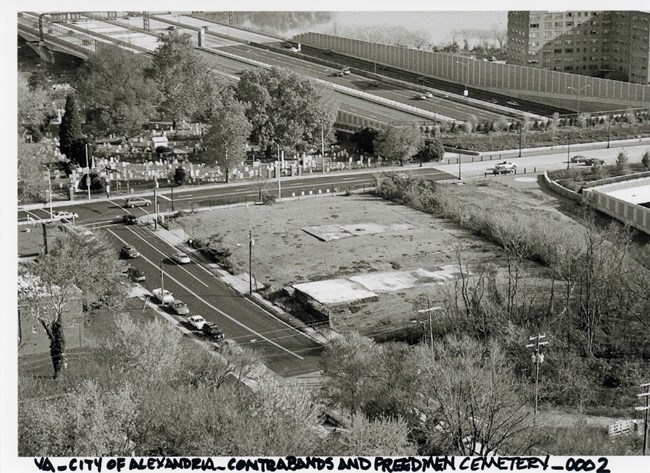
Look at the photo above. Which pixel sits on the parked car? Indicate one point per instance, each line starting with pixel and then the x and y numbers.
pixel 129 252
pixel 212 331
pixel 63 215
pixel 579 159
pixel 137 202
pixel 181 258
pixel 179 307
pixel 129 219
pixel 594 162
pixel 134 274
pixel 505 165
pixel 163 297
pixel 197 321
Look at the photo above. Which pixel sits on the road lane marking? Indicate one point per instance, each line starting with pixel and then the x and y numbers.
pixel 163 197
pixel 216 309
pixel 156 249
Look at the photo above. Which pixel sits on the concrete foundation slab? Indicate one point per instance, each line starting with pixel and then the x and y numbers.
pixel 334 291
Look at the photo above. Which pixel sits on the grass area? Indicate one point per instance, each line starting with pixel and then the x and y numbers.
pixel 284 254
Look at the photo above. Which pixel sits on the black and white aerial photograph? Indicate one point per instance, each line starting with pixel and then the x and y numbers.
pixel 283 237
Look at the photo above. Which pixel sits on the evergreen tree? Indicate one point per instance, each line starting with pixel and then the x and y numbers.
pixel 70 128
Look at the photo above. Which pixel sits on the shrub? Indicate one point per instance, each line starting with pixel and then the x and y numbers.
pixel 96 183
pixel 645 160
pixel 622 161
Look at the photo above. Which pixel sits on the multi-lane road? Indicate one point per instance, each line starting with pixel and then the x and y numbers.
pixel 285 350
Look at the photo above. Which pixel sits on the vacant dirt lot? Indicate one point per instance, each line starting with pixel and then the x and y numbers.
pixel 284 254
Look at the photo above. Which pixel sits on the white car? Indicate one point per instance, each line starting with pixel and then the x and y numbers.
pixel 63 215
pixel 420 97
pixel 181 258
pixel 505 166
pixel 164 297
pixel 197 321
pixel 427 94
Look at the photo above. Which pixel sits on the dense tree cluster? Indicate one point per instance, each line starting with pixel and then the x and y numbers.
pixel 149 394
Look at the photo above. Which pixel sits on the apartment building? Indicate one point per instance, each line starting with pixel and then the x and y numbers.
pixel 608 44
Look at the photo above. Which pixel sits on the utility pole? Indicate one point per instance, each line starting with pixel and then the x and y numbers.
pixel 162 283
pixel 459 175
pixel 429 310
pixel 537 358
pixel 171 185
pixel 251 242
pixel 521 129
pixel 279 173
pixel 155 205
pixel 646 396
pixel 88 171
pixel 322 143
pixel 49 186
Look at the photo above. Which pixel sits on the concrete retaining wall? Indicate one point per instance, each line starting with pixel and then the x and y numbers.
pixel 630 214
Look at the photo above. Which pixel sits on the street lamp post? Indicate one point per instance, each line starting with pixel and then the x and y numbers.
pixel 609 127
pixel 568 151
pixel 459 173
pixel 521 129
pixel 279 173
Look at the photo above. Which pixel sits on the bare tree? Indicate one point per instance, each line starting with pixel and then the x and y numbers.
pixel 472 403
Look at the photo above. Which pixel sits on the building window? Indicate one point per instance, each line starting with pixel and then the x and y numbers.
pixel 557 51
pixel 548 24
pixel 569 23
pixel 558 24
pixel 533 35
pixel 568 50
pixel 534 25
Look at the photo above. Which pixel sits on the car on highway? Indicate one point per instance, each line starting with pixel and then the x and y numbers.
pixel 197 321
pixel 513 103
pixel 129 219
pixel 179 307
pixel 294 49
pixel 373 83
pixel 64 215
pixel 346 70
pixel 422 80
pixel 578 159
pixel 136 202
pixel 420 97
pixel 181 258
pixel 129 252
pixel 134 274
pixel 163 296
pixel 427 94
pixel 594 162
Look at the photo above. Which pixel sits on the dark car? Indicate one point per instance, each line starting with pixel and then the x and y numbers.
pixel 130 219
pixel 594 162
pixel 579 159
